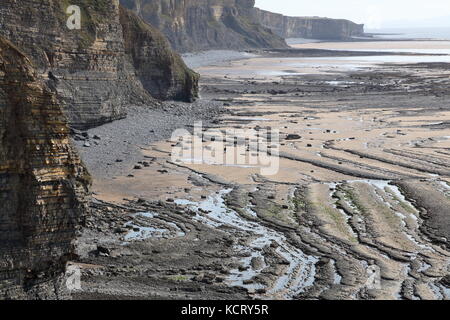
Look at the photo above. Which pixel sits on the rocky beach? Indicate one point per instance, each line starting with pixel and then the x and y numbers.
pixel 212 150
pixel 361 143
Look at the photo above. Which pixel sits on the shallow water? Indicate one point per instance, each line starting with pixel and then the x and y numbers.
pixel 147 232
pixel 301 271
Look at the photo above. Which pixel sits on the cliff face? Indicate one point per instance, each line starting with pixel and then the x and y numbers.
pixel 43 185
pixel 88 68
pixel 192 25
pixel 161 71
pixel 308 27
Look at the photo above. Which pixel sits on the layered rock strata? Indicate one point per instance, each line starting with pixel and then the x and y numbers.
pixel 89 68
pixel 308 27
pixel 43 184
pixel 161 71
pixel 192 25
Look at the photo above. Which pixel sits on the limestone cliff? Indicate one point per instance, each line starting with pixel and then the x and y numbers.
pixel 88 68
pixel 161 71
pixel 192 25
pixel 43 185
pixel 308 27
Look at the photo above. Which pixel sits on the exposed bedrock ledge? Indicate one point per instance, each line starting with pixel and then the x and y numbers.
pixel 308 27
pixel 89 69
pixel 192 25
pixel 43 184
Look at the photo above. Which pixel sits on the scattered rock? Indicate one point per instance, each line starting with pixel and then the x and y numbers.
pixel 120 230
pixel 242 268
pixel 103 251
pixel 293 137
pixel 257 263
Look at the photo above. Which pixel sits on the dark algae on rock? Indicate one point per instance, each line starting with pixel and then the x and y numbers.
pixel 43 184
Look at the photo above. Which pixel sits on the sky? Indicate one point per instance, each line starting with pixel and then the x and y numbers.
pixel 374 13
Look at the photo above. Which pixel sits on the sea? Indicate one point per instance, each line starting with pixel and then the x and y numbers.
pixel 425 45
pixel 412 33
pixel 422 41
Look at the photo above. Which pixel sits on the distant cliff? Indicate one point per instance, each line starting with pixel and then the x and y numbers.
pixel 308 27
pixel 43 185
pixel 161 71
pixel 192 25
pixel 95 71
